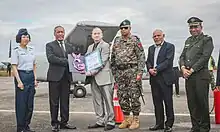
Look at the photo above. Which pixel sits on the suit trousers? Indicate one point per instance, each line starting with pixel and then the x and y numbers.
pixel 59 95
pixel 176 79
pixel 162 92
pixel 102 97
pixel 197 91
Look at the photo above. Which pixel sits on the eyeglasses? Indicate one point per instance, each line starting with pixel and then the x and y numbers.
pixel 123 28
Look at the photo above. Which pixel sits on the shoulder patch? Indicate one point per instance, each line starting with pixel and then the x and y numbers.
pixel 137 39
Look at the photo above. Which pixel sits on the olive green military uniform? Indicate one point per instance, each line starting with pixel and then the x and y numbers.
pixel 195 55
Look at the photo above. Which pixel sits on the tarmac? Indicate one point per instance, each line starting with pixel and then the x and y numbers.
pixel 82 111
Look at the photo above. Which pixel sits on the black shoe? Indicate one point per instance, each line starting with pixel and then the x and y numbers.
pixel 67 126
pixel 95 126
pixel 109 127
pixel 156 127
pixel 168 129
pixel 55 128
pixel 28 129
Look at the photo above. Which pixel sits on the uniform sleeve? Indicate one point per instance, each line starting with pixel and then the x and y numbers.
pixel 182 57
pixel 207 51
pixel 139 50
pixel 14 57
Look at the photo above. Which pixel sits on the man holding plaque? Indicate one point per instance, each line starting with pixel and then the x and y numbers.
pixel 128 62
pixel 100 75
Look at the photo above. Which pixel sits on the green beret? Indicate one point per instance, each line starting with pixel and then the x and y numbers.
pixel 194 21
pixel 125 23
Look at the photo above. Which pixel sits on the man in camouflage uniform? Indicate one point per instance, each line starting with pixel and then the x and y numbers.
pixel 212 67
pixel 194 65
pixel 128 62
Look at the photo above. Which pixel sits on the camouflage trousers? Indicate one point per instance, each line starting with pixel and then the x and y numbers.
pixel 212 80
pixel 128 91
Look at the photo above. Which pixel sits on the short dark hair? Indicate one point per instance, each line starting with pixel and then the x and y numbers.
pixel 59 26
pixel 22 31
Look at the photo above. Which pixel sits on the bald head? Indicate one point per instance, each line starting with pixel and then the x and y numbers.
pixel 158 36
pixel 97 34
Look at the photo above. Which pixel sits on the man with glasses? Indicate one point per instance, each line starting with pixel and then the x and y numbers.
pixel 128 63
pixel 194 65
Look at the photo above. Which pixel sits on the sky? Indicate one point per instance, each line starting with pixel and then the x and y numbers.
pixel 41 16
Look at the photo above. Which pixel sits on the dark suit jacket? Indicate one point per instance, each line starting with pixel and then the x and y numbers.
pixel 58 63
pixel 218 72
pixel 164 62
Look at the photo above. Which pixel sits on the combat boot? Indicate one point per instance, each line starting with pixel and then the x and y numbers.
pixel 126 122
pixel 135 123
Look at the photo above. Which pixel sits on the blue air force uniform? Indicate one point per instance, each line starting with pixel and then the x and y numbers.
pixel 24 58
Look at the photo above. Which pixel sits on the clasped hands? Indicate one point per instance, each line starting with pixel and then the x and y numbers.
pixel 186 72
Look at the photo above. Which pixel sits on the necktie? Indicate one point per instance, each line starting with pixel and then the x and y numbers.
pixel 62 48
pixel 95 45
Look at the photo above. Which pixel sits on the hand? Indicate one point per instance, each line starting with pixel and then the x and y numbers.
pixel 88 74
pixel 153 71
pixel 21 85
pixel 217 88
pixel 139 77
pixel 186 73
pixel 35 83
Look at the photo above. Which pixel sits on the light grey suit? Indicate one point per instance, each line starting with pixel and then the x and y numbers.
pixel 102 87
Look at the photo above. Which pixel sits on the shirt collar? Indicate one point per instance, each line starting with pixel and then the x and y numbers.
pixel 59 42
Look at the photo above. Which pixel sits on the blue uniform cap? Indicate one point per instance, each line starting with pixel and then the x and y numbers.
pixel 22 31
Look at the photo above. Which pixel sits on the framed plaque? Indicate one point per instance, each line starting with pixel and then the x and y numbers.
pixel 93 60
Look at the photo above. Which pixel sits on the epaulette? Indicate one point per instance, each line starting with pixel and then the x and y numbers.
pixel 30 47
pixel 207 37
pixel 15 48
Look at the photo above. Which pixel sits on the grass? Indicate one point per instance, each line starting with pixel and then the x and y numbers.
pixel 3 73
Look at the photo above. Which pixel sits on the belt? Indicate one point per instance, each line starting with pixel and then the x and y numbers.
pixel 126 66
pixel 25 71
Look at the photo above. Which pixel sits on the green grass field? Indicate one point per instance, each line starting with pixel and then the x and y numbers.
pixel 3 73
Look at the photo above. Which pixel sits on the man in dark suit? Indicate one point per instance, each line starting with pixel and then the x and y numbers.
pixel 159 64
pixel 59 79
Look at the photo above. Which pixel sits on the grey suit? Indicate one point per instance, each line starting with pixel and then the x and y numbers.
pixel 102 88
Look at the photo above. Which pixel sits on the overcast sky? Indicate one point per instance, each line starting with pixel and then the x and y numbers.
pixel 40 16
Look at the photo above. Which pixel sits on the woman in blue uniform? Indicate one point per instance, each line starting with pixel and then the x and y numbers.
pixel 24 70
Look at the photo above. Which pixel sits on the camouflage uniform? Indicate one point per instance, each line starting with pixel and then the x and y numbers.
pixel 128 60
pixel 211 69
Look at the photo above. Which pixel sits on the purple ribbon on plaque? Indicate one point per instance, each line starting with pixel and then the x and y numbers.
pixel 78 63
